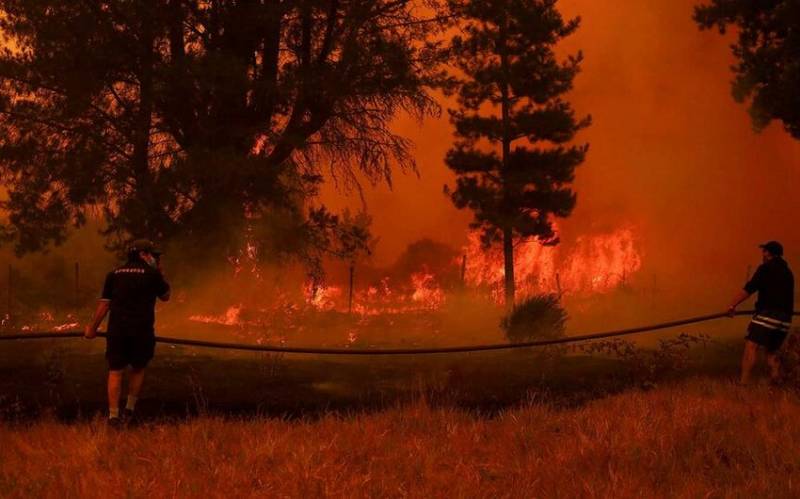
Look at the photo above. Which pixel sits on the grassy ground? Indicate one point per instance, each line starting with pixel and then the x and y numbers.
pixel 65 379
pixel 607 421
pixel 693 438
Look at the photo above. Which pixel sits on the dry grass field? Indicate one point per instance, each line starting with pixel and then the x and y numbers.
pixel 607 420
pixel 697 437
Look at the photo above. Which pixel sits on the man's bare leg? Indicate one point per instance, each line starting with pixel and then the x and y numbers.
pixel 748 361
pixel 134 387
pixel 114 392
pixel 774 363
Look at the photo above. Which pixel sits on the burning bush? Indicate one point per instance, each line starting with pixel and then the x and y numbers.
pixel 538 317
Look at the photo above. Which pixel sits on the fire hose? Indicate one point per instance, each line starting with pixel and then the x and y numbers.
pixel 399 351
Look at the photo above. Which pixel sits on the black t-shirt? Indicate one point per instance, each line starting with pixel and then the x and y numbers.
pixel 774 283
pixel 132 290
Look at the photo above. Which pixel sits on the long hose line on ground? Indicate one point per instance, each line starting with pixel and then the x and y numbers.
pixel 397 351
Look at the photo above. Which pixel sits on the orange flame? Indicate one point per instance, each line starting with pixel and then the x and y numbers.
pixel 427 290
pixel 231 317
pixel 424 293
pixel 594 264
pixel 322 297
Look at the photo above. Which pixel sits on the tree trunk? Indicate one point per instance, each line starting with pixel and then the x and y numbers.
pixel 143 126
pixel 508 259
pixel 10 295
pixel 508 233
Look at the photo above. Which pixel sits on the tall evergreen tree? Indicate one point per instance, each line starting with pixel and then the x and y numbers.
pixel 512 159
pixel 767 52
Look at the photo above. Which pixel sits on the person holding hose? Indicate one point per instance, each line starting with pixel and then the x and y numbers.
pixel 774 283
pixel 130 294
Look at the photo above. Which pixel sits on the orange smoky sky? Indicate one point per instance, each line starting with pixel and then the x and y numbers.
pixel 671 153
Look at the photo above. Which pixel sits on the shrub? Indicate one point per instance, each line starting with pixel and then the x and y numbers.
pixel 537 318
pixel 646 365
pixel 790 359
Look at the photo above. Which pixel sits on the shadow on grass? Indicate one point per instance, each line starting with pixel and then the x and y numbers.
pixel 65 379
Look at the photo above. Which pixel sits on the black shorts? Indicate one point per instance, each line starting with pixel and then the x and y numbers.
pixel 769 338
pixel 134 350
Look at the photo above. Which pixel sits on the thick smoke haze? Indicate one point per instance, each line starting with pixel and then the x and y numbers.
pixel 671 153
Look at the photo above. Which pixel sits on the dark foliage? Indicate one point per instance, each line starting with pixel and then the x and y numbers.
pixel 426 255
pixel 645 366
pixel 767 52
pixel 537 318
pixel 193 120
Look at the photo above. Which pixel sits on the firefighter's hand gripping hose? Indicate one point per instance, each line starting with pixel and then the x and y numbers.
pixel 400 351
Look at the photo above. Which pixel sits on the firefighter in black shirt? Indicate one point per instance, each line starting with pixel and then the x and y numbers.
pixel 774 283
pixel 129 294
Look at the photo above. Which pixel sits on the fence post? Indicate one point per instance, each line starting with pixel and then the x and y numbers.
pixel 350 294
pixel 77 286
pixel 10 290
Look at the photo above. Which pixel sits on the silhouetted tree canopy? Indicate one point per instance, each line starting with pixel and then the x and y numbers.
pixel 511 92
pixel 426 255
pixel 767 51
pixel 189 119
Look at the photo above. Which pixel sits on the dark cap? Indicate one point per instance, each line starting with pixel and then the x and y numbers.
pixel 144 245
pixel 773 247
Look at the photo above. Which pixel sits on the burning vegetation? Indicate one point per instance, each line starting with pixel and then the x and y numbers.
pixel 596 263
pixel 417 295
pixel 257 301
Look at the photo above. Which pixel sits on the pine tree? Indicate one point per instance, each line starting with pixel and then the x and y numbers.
pixel 767 52
pixel 512 157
